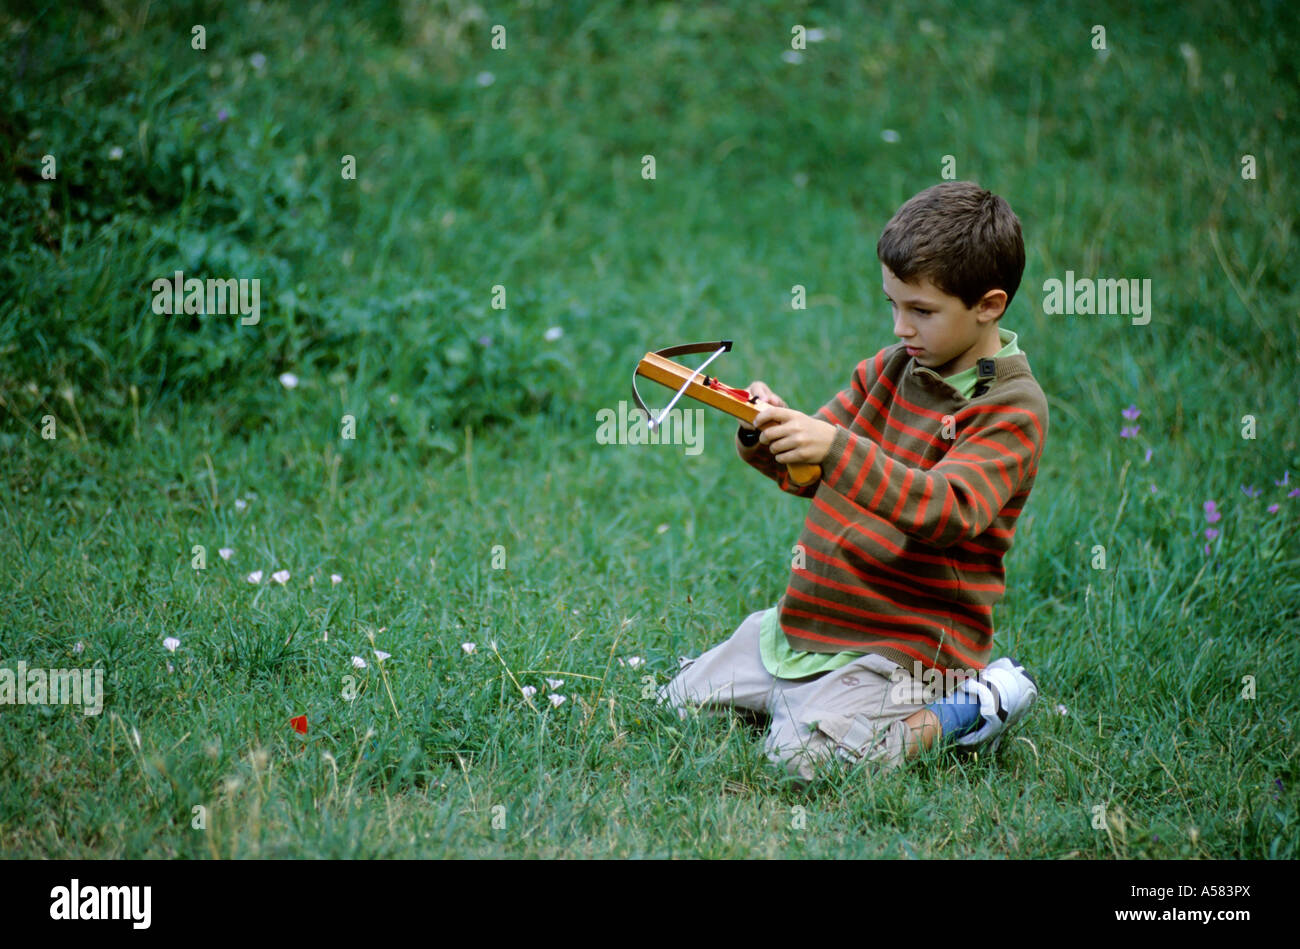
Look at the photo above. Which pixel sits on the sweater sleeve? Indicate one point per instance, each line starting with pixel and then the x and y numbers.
pixel 997 446
pixel 840 411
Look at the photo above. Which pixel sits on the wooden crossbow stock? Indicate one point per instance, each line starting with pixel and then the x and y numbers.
pixel 657 367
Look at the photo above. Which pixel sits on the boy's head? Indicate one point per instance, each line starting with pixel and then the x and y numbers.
pixel 951 258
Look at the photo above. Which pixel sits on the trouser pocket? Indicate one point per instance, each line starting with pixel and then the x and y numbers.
pixel 859 738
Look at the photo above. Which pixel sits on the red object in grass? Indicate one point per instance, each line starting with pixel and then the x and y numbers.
pixel 299 724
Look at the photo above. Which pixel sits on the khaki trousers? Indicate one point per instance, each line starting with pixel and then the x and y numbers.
pixel 855 712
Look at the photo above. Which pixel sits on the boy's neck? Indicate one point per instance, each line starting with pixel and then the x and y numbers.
pixel 988 346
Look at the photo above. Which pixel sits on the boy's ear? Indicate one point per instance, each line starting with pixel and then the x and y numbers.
pixel 992 305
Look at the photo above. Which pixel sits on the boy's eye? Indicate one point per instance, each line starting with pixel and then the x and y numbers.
pixel 915 309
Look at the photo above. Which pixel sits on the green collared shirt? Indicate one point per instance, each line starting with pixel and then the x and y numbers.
pixel 779 658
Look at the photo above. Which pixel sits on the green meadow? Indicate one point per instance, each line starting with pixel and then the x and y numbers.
pixel 317 513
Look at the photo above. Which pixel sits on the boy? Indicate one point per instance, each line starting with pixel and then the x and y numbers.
pixel 927 460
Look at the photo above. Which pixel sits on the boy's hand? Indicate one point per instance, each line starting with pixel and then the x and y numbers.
pixel 792 436
pixel 762 393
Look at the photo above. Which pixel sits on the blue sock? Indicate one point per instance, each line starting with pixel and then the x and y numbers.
pixel 958 714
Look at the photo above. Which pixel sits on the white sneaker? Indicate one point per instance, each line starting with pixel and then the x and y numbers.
pixel 1005 691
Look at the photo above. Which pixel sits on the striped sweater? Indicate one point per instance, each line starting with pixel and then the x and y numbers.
pixel 903 543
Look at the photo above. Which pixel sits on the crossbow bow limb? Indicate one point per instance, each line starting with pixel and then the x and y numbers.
pixel 657 367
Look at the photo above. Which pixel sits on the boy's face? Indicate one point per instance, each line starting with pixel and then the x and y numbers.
pixel 941 332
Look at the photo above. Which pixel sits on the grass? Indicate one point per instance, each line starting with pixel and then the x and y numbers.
pixel 769 174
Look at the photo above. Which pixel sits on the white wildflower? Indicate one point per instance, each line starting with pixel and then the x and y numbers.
pixel 358 662
pixel 255 576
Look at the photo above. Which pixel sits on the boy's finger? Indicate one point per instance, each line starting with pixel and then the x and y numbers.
pixel 771 413
pixel 775 435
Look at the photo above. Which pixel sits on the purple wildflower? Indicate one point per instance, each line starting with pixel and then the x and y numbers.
pixel 1294 492
pixel 1212 514
pixel 1129 431
pixel 1153 487
pixel 1272 509
pixel 1286 478
pixel 1148 457
pixel 223 115
pixel 1211 533
pixel 1131 413
pixel 1250 492
pixel 485 340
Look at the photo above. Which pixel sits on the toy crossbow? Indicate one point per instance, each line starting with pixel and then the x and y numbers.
pixel 657 367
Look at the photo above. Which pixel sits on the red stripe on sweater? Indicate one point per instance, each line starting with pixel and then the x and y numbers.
pixel 899 640
pixel 944 514
pixel 909 616
pixel 903 493
pixel 898 553
pixel 993 408
pixel 992 495
pixel 977 617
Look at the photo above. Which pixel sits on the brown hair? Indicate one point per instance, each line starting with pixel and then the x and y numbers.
pixel 964 239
